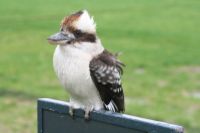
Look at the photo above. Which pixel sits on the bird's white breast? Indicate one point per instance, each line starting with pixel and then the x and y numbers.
pixel 72 68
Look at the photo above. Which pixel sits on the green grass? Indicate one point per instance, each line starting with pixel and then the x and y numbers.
pixel 159 41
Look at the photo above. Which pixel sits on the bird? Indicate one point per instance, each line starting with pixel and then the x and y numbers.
pixel 86 70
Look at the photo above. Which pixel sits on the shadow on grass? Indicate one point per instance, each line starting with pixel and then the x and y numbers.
pixel 17 94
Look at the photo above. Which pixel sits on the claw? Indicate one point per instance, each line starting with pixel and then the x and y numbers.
pixel 71 111
pixel 87 113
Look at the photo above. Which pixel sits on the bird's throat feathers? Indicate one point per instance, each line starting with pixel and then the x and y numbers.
pixel 91 49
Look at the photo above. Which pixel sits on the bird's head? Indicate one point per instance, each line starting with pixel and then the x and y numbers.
pixel 76 28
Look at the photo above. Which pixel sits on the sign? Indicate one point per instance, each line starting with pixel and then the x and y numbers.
pixel 53 117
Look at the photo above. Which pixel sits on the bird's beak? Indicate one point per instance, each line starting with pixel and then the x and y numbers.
pixel 59 38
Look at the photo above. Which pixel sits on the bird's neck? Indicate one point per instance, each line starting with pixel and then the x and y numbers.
pixel 83 48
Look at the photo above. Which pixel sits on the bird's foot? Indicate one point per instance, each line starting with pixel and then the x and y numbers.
pixel 87 112
pixel 71 111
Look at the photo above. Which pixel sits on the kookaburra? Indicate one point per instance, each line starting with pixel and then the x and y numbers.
pixel 87 71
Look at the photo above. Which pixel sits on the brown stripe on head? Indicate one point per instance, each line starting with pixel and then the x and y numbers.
pixel 81 25
pixel 68 21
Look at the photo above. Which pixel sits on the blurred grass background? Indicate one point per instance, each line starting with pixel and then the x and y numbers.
pixel 160 41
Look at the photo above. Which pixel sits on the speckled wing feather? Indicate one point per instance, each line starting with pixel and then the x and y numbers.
pixel 106 72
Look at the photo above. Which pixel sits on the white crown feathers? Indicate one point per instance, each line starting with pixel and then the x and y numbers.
pixel 85 23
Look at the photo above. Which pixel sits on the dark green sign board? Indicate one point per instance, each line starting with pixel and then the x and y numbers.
pixel 53 117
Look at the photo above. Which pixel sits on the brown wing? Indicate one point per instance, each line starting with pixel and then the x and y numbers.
pixel 106 72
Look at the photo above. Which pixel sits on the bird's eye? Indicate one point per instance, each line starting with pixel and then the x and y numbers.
pixel 77 33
